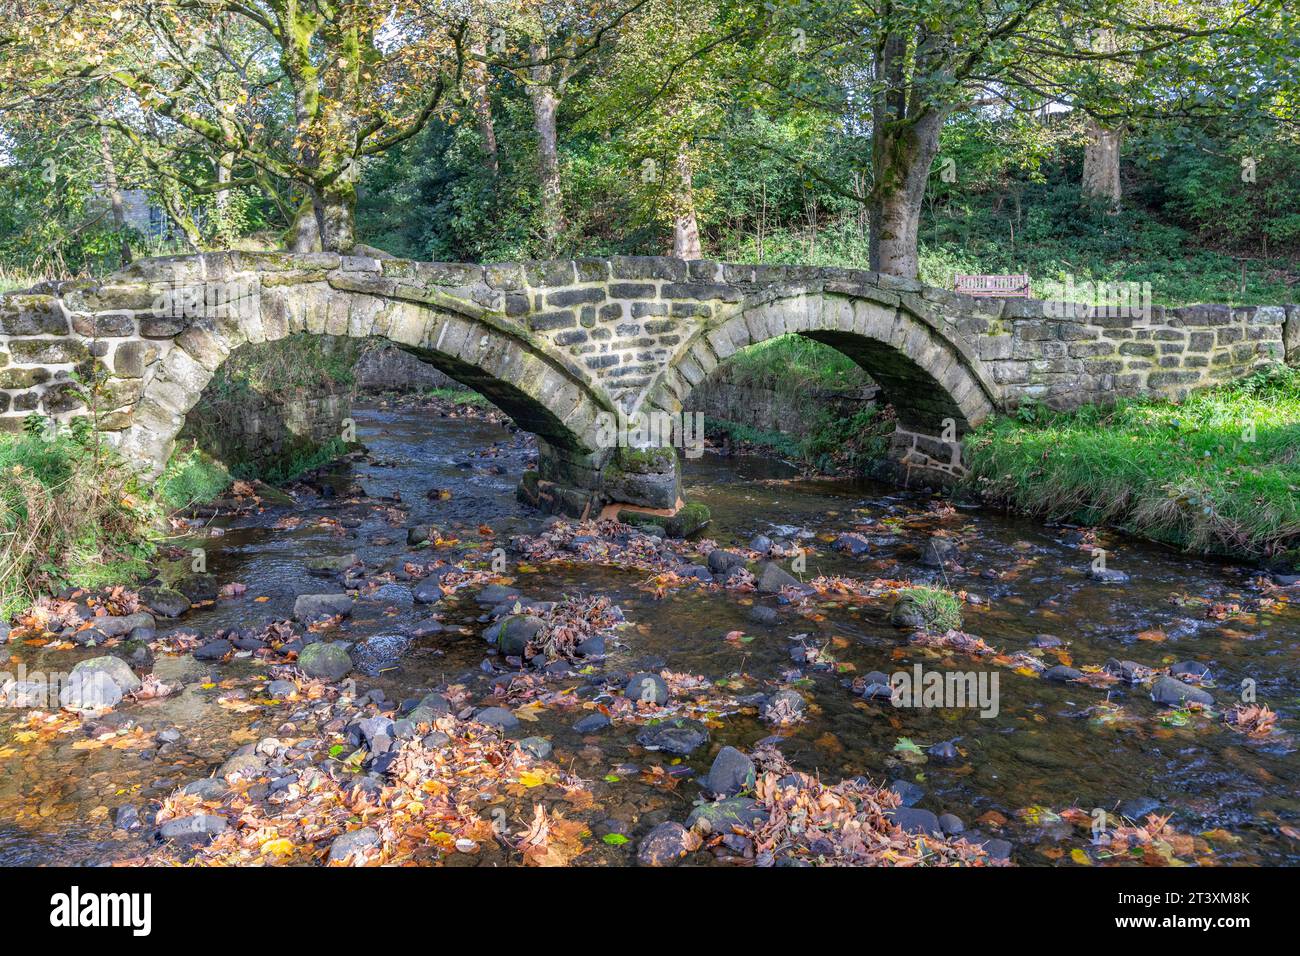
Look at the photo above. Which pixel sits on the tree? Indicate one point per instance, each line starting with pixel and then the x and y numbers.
pixel 348 79
pixel 664 91
pixel 906 68
pixel 545 46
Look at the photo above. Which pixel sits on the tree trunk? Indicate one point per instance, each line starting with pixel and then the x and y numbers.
pixel 180 218
pixel 221 201
pixel 545 108
pixel 481 102
pixel 1101 163
pixel 335 211
pixel 304 232
pixel 114 195
pixel 686 229
pixel 902 154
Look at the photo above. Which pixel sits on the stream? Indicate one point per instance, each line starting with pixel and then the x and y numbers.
pixel 1050 746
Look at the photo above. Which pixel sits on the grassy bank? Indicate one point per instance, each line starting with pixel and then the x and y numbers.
pixel 1219 473
pixel 70 514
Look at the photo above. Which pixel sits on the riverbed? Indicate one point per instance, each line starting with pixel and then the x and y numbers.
pixel 1053 753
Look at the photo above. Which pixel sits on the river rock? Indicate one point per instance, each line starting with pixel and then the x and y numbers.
pixel 90 696
pixel 213 650
pixel 497 717
pixel 1107 575
pixel 646 687
pixel 206 788
pixel 539 748
pixel 945 751
pixel 422 534
pixel 732 773
pixel 354 842
pixel 332 564
pixel 1190 669
pixel 436 702
pixel 664 845
pixel 316 607
pixel 1137 808
pixel 327 660
pixel 762 614
pixel 593 646
pixel 906 613
pixel 591 723
pixel 721 816
pixel 512 634
pixel 200 828
pixel 429 590
pixel 127 817
pixel 721 562
pixel 1128 671
pixel 951 824
pixel 379 653
pixel 113 668
pixel 1061 673
pixel 244 765
pixel 785 704
pixel 940 551
pixel 393 595
pixel 908 793
pixel 852 544
pixel 165 602
pixel 772 578
pixel 677 735
pixel 117 626
pixel 1171 692
pixel 914 821
pixel 497 594
pixel 760 543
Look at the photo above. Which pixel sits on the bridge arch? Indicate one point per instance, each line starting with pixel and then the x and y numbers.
pixel 535 389
pixel 937 387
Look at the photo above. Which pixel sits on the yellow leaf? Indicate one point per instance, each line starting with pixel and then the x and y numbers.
pixel 1081 857
pixel 280 848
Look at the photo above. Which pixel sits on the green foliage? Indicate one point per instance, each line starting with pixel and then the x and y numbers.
pixel 940 608
pixel 459 396
pixel 71 514
pixel 1219 473
pixel 300 361
pixel 191 477
pixel 794 363
pixel 297 463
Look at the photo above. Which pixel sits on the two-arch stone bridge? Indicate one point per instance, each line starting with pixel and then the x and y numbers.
pixel 563 346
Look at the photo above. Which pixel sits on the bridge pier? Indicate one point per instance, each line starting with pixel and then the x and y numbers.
pixel 634 485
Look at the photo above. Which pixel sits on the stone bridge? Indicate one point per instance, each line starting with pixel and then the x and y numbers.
pixel 564 346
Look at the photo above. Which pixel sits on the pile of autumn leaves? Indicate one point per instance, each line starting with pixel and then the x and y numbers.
pixel 482 793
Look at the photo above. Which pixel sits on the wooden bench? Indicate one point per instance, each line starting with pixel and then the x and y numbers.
pixel 1011 287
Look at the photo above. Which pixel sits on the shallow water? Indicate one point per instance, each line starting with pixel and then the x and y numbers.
pixel 1050 745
